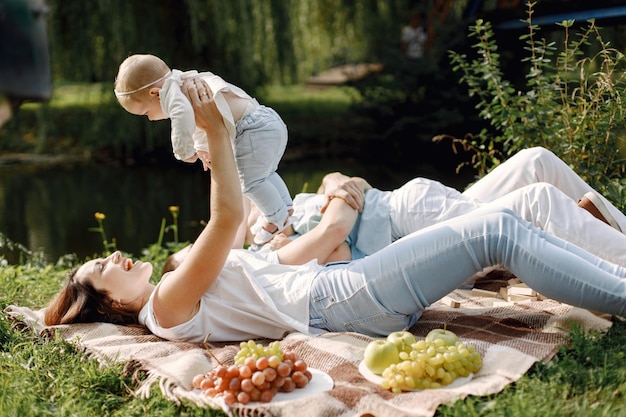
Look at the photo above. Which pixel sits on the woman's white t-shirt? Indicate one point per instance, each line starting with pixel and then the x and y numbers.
pixel 251 298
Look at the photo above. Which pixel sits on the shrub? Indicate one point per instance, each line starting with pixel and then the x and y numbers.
pixel 572 102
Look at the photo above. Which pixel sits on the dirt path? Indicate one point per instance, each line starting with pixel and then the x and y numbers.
pixel 342 74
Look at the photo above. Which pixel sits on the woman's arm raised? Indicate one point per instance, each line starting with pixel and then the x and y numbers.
pixel 177 298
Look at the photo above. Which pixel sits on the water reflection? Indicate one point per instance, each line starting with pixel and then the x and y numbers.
pixel 51 209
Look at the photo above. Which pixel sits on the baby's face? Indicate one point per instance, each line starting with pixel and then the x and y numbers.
pixel 150 106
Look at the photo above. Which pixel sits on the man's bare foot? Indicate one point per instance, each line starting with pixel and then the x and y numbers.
pixel 592 203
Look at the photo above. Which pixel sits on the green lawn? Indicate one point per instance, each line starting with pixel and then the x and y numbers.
pixel 298 98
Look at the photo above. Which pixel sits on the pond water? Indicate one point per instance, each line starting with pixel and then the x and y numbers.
pixel 51 209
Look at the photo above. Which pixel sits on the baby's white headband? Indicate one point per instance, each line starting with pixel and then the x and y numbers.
pixel 127 93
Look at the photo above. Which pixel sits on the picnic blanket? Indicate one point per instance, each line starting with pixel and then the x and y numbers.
pixel 510 336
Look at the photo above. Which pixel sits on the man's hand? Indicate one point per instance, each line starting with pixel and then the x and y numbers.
pixel 350 189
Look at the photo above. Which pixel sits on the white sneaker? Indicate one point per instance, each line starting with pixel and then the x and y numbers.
pixel 262 236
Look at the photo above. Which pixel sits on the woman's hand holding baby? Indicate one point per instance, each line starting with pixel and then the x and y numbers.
pixel 206 119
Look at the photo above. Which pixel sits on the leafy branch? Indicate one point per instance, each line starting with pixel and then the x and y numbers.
pixel 571 104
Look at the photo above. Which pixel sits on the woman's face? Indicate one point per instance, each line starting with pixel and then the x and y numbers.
pixel 120 278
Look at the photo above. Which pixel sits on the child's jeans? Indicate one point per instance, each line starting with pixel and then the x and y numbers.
pixel 259 146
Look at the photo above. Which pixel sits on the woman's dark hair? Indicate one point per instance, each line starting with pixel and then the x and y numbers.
pixel 81 303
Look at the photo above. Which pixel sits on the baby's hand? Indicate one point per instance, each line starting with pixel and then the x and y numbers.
pixel 278 241
pixel 205 157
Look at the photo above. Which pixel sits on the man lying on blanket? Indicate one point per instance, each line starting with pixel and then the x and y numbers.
pixel 534 183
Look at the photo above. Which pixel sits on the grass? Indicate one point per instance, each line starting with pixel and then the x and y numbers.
pixel 587 378
pixel 42 377
pixel 296 99
pixel 50 377
pixel 302 100
pixel 77 94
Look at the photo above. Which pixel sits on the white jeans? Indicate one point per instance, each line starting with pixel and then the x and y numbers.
pixel 535 184
pixel 530 166
pixel 388 290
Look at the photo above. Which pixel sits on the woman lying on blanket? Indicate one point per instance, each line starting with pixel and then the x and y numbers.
pixel 535 184
pixel 232 295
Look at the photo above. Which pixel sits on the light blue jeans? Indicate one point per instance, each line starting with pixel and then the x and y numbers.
pixel 388 291
pixel 259 146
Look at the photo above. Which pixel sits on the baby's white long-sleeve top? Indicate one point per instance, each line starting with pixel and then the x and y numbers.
pixel 186 137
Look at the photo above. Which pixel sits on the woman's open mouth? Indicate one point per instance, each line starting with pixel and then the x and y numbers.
pixel 128 265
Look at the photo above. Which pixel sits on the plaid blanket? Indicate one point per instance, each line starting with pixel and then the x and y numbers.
pixel 510 336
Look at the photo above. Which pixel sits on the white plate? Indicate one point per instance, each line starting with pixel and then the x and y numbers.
pixel 377 379
pixel 320 382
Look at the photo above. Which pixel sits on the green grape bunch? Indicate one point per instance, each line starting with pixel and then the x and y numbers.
pixel 431 364
pixel 251 349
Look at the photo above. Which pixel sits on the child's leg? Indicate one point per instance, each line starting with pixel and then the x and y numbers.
pixel 280 186
pixel 275 213
pixel 269 202
pixel 259 146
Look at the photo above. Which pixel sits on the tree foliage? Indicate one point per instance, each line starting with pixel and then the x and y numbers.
pixel 572 101
pixel 250 43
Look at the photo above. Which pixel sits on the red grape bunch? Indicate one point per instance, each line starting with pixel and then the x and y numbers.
pixel 258 374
